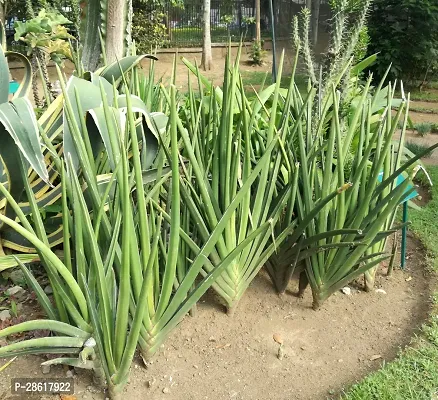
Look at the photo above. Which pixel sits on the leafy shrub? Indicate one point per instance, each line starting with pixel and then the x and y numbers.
pixel 257 54
pixel 47 32
pixel 46 38
pixel 405 33
pixel 148 29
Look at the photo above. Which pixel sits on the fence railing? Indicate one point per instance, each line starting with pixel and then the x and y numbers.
pixel 229 19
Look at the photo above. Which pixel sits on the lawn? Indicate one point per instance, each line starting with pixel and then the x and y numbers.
pixel 414 375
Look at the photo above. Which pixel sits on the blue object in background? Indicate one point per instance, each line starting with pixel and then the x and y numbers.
pixel 404 200
pixel 13 87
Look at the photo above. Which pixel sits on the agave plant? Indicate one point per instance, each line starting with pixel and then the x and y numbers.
pixel 53 129
pixel 20 139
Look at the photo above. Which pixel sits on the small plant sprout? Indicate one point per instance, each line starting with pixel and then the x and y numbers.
pixel 278 339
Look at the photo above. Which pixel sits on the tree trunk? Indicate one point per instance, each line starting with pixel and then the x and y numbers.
pixel 115 30
pixel 309 4
pixel 207 59
pixel 315 20
pixel 258 33
pixel 3 12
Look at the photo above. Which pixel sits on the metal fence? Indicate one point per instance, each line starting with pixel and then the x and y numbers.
pixel 229 19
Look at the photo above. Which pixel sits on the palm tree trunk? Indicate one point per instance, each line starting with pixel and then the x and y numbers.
pixel 207 58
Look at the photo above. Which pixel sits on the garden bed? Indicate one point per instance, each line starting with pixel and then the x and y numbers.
pixel 216 356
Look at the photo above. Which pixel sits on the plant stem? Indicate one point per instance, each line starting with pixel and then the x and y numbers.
pixel 392 260
pixel 45 72
pixel 303 284
pixel 34 63
pixel 231 310
pixel 115 391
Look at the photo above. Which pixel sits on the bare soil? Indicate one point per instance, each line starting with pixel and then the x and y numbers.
pixel 418 117
pixel 214 356
pixel 164 67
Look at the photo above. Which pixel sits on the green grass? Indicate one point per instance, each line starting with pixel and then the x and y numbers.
pixel 414 374
pixel 425 222
pixel 423 110
pixel 429 92
pixel 424 96
pixel 193 36
pixel 432 85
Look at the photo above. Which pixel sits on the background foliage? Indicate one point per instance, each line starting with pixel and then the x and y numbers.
pixel 148 25
pixel 393 25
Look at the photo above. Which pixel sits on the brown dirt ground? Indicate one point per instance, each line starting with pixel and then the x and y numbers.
pixel 214 356
pixel 418 117
pixel 164 66
pixel 429 139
